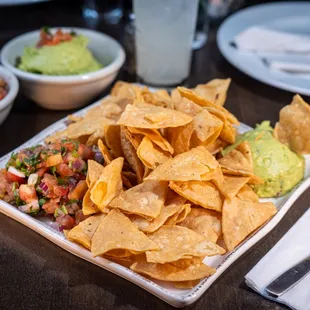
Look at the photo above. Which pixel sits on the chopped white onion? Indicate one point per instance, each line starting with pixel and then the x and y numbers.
pixel 16 172
pixel 30 207
pixel 33 179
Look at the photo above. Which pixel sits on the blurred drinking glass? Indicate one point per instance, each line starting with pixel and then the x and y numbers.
pixel 164 31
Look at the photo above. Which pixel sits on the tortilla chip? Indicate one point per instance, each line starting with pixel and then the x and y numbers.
pixel 238 161
pixel 85 127
pixel 144 115
pixel 180 138
pixel 172 206
pixel 216 146
pixel 231 185
pixel 155 136
pixel 186 285
pixel 145 199
pixel 159 98
pixel 180 216
pixel 93 138
pixel 105 153
pixel 190 95
pixel 169 272
pixel 108 108
pixel 240 218
pixel 196 164
pixel 131 156
pixel 112 139
pixel 176 242
pixel 84 231
pixel 94 171
pixel 109 184
pixel 125 90
pixel 135 139
pixel 214 91
pixel 117 232
pixel 201 193
pixel 204 222
pixel 293 128
pixel 247 193
pixel 187 106
pixel 151 155
pixel 88 207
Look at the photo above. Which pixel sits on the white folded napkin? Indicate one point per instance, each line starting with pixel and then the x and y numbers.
pixel 289 251
pixel 261 39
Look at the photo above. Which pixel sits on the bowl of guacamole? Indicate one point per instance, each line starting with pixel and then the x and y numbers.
pixel 63 68
pixel 61 53
pixel 279 167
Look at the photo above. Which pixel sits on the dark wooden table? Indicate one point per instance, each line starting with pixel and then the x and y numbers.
pixel 36 274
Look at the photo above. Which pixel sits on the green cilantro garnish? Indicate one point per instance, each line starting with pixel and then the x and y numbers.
pixel 46 29
pixel 53 170
pixel 72 201
pixel 62 209
pixel 42 201
pixel 62 181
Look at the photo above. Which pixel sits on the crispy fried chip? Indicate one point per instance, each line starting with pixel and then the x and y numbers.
pixel 112 139
pixel 105 152
pixel 151 155
pixel 240 218
pixel 238 161
pixel 155 136
pixel 85 127
pixel 180 216
pixel 204 222
pixel 186 285
pixel 93 172
pixel 293 128
pixel 169 272
pixel 88 207
pixel 109 184
pixel 247 193
pixel 203 130
pixel 214 91
pixel 84 231
pixel 202 193
pixel 231 185
pixel 216 146
pixel 108 108
pixel 145 199
pixel 135 139
pixel 131 156
pixel 143 115
pixel 196 164
pixel 187 106
pixel 176 242
pixel 190 95
pixel 172 206
pixel 117 232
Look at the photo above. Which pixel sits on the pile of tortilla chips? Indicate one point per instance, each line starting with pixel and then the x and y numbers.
pixel 165 198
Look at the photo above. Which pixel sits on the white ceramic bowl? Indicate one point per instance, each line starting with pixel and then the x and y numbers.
pixel 6 103
pixel 66 92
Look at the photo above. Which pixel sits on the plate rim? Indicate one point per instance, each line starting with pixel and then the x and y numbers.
pixel 178 301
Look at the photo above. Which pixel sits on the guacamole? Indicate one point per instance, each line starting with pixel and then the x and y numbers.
pixel 64 58
pixel 279 167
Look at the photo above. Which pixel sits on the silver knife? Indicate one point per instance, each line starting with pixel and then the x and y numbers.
pixel 289 279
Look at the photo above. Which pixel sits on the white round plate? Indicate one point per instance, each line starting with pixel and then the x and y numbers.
pixel 293 17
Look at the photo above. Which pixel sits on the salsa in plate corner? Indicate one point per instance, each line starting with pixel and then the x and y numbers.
pixel 159 181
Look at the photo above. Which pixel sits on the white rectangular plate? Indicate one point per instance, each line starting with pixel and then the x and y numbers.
pixel 165 291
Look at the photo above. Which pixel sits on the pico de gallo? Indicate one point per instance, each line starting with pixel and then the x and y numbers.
pixel 4 89
pixel 50 180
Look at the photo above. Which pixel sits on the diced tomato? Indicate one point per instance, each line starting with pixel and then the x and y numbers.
pixel 70 146
pixel 85 152
pixel 41 172
pixel 66 221
pixel 64 170
pixel 60 191
pixel 79 216
pixel 11 177
pixel 27 193
pixel 78 191
pixel 54 160
pixel 51 206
